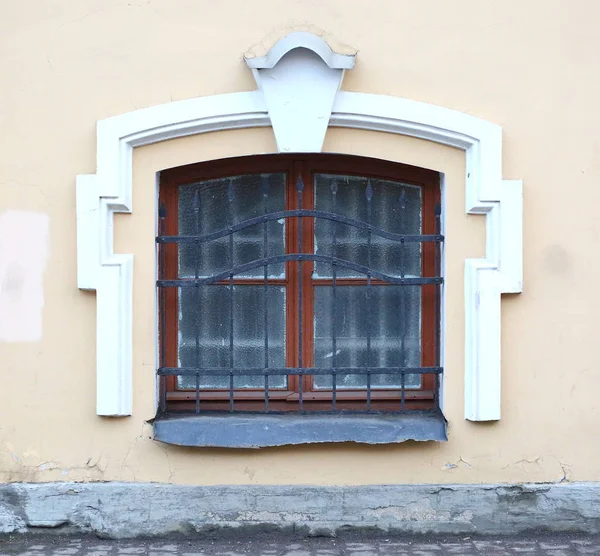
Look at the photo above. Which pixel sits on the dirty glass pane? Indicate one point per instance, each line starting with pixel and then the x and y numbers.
pixel 231 200
pixel 395 329
pixel 395 207
pixel 206 311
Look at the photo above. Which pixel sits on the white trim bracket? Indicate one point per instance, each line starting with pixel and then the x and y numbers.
pixel 108 191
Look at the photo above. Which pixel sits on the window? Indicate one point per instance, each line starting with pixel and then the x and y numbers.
pixel 299 283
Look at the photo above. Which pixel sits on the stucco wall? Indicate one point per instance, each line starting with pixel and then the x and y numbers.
pixel 527 66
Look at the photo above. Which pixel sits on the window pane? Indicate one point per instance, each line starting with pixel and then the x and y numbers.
pixel 217 210
pixel 395 208
pixel 206 311
pixel 391 315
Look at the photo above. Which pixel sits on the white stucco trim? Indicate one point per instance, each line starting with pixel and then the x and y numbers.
pixel 299 78
pixel 108 191
pixel 501 271
pixel 299 93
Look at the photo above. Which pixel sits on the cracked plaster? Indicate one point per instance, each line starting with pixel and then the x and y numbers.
pixel 128 510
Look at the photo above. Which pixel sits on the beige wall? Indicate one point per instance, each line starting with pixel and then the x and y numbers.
pixel 528 66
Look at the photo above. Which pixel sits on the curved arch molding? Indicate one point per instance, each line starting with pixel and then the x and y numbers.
pixel 309 75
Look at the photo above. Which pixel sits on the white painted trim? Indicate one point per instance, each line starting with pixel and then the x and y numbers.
pixel 486 193
pixel 299 93
pixel 299 78
pixel 108 191
pixel 501 271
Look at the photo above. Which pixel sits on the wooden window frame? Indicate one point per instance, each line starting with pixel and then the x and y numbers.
pixel 304 166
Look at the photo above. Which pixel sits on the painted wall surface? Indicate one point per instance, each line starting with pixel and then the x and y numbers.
pixel 528 66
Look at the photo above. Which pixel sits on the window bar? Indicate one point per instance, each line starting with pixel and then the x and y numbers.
pixel 299 190
pixel 369 196
pixel 162 215
pixel 198 392
pixel 231 196
pixel 334 190
pixel 438 299
pixel 265 192
pixel 196 207
pixel 402 311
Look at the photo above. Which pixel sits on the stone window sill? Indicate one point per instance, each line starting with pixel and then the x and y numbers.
pixel 260 431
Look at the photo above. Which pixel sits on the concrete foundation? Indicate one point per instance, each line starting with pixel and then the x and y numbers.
pixel 126 510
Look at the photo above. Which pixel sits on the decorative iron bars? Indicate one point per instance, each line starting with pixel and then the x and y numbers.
pixel 290 380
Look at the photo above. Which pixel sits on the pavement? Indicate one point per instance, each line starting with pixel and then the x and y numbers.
pixel 280 545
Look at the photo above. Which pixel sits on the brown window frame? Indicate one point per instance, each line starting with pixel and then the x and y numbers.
pixel 304 166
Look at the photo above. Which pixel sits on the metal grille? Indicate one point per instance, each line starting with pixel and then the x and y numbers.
pixel 266 371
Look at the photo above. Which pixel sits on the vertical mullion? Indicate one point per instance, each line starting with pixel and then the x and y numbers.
pixel 265 185
pixel 162 214
pixel 402 315
pixel 291 296
pixel 231 196
pixel 401 323
pixel 334 189
pixel 196 207
pixel 369 196
pixel 299 191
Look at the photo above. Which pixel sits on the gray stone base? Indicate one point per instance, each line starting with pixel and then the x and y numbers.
pixel 123 510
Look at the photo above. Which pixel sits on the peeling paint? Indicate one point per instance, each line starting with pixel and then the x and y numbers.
pixel 454 465
pixel 29 466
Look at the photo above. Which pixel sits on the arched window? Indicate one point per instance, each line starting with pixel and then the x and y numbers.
pixel 299 283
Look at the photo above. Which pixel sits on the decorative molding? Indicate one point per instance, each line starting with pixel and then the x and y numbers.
pixel 299 78
pixel 501 271
pixel 108 191
pixel 99 196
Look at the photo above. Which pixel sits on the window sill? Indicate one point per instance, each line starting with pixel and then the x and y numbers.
pixel 260 431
